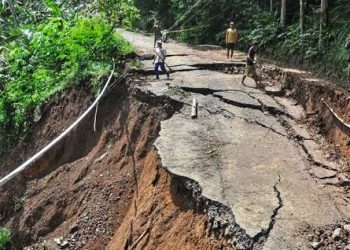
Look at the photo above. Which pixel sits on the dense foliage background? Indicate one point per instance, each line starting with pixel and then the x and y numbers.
pixel 280 35
pixel 48 46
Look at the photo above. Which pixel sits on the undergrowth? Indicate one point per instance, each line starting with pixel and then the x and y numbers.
pixel 4 238
pixel 288 45
pixel 56 55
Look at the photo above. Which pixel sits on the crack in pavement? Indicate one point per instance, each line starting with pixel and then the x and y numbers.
pixel 272 110
pixel 261 238
pixel 149 72
pixel 230 115
pixel 313 161
pixel 216 157
pixel 238 104
pixel 209 91
pixel 269 128
pixel 148 57
pixel 249 121
pixel 262 107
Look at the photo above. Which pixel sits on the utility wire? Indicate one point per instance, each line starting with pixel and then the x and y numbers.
pixel 198 12
pixel 184 15
pixel 27 163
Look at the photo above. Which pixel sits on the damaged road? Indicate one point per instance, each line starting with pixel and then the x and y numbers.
pixel 241 152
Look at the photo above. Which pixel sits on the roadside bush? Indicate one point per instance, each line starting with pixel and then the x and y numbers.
pixel 4 238
pixel 60 54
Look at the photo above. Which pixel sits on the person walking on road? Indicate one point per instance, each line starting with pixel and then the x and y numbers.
pixel 157 32
pixel 231 40
pixel 251 61
pixel 159 60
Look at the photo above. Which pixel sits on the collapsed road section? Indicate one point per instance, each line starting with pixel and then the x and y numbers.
pixel 248 151
pixel 112 192
pixel 247 173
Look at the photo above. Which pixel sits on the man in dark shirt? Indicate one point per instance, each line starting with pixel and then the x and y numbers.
pixel 250 70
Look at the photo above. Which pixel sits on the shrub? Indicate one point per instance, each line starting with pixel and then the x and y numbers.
pixel 4 237
pixel 60 54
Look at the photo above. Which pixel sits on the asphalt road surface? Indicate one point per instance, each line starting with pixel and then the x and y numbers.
pixel 239 149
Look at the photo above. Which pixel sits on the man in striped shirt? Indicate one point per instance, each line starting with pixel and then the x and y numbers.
pixel 251 61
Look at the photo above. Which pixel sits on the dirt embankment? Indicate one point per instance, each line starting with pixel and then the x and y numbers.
pixel 104 188
pixel 318 98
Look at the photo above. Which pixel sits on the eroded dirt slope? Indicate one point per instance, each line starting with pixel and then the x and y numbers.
pixel 255 164
pixel 97 183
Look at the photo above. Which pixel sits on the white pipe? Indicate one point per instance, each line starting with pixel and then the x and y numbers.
pixel 18 170
pixel 95 120
pixel 335 114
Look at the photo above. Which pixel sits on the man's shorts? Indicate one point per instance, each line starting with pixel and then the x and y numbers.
pixel 231 46
pixel 250 71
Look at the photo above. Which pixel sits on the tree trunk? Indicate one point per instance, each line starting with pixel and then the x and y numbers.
pixel 283 13
pixel 271 6
pixel 323 21
pixel 13 12
pixel 302 19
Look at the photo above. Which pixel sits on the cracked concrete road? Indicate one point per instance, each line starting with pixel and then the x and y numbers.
pixel 240 152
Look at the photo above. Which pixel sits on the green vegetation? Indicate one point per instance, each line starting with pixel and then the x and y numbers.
pixel 5 238
pixel 51 54
pixel 319 44
pixel 50 45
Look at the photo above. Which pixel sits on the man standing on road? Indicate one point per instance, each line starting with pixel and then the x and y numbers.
pixel 250 70
pixel 159 60
pixel 231 40
pixel 157 32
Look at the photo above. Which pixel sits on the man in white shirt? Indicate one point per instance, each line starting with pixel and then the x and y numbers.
pixel 159 60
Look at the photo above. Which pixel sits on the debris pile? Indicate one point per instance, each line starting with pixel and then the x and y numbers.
pixel 331 237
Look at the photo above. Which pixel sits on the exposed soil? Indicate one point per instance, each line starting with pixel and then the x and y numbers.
pixel 105 187
pixel 163 215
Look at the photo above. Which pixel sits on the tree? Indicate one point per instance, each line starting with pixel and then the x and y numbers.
pixel 271 6
pixel 9 3
pixel 301 27
pixel 283 13
pixel 302 18
pixel 118 12
pixel 323 21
